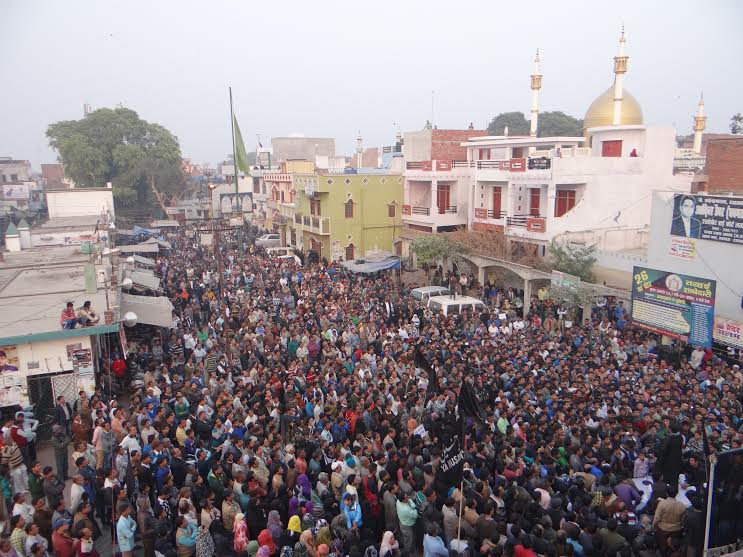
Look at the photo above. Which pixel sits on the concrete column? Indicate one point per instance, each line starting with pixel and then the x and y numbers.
pixel 551 196
pixel 527 295
pixel 481 275
pixel 434 191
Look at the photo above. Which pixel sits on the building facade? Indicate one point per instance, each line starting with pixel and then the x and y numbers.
pixel 346 216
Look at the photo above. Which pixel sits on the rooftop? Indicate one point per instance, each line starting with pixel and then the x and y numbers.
pixel 35 284
pixel 522 141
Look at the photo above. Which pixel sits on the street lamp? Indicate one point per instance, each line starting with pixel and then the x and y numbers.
pixel 130 319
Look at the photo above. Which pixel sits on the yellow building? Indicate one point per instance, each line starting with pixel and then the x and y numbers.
pixel 345 216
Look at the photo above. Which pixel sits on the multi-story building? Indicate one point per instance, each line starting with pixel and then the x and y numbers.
pixel 436 195
pixel 346 216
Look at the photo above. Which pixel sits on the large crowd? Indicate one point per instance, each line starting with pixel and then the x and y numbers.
pixel 284 415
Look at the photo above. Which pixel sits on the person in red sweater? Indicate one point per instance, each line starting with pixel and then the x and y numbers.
pixel 63 543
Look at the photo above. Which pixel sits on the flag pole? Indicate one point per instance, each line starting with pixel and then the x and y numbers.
pixel 461 493
pixel 710 494
pixel 234 161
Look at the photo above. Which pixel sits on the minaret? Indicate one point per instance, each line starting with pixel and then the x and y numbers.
pixel 359 149
pixel 536 85
pixel 700 122
pixel 620 68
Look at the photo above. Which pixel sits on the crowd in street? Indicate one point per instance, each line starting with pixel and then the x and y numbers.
pixel 284 415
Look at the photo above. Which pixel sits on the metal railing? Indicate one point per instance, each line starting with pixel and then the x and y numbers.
pixel 451 210
pixel 461 164
pixel 496 214
pixel 490 164
pixel 420 210
pixel 306 220
pixel 520 220
pixel 414 165
pixel 315 222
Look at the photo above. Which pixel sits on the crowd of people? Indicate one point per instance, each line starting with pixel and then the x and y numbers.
pixel 284 415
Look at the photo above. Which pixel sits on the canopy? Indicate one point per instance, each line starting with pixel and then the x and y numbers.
pixel 146 261
pixel 144 278
pixel 141 248
pixel 372 264
pixel 139 230
pixel 161 243
pixel 150 310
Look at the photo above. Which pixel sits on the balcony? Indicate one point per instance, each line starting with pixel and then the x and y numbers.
pixel 429 166
pixel 420 210
pixel 482 214
pixel 312 223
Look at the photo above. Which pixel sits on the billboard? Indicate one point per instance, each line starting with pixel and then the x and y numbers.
pixel 728 332
pixel 708 217
pixel 16 191
pixel 680 306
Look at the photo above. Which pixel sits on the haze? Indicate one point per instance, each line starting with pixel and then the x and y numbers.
pixel 336 68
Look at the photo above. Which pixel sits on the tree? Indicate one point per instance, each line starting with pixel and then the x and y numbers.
pixel 431 249
pixel 516 122
pixel 557 123
pixel 550 124
pixel 736 124
pixel 574 297
pixel 139 158
pixel 573 259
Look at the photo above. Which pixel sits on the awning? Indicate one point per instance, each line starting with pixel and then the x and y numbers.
pixel 150 310
pixel 165 223
pixel 146 261
pixel 144 278
pixel 141 248
pixel 141 231
pixel 161 243
pixel 372 265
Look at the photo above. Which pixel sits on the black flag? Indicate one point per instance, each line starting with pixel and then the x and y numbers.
pixel 469 406
pixel 433 380
pixel 452 455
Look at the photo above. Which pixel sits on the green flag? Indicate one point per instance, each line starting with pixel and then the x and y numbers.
pixel 242 156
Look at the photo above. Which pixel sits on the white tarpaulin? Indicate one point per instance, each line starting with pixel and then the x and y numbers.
pixel 150 310
pixel 141 248
pixel 144 278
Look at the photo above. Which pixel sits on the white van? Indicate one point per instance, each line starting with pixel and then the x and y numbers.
pixel 454 306
pixel 425 292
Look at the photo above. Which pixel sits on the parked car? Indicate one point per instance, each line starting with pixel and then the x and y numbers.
pixel 454 306
pixel 269 241
pixel 425 292
pixel 284 253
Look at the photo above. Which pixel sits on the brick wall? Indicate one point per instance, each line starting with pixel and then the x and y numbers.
pixel 445 144
pixel 725 165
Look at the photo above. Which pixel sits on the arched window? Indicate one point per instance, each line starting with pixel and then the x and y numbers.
pixel 349 209
pixel 350 252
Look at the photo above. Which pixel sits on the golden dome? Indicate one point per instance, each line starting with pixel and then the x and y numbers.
pixel 601 111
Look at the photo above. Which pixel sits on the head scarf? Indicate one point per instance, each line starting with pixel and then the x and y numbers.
pixel 295 524
pixel 266 540
pixel 388 544
pixel 323 537
pixel 303 482
pixel 293 505
pixel 274 525
pixel 252 548
pixel 263 551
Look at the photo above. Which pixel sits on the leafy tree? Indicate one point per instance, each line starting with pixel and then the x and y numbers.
pixel 557 123
pixel 431 249
pixel 516 122
pixel 551 124
pixel 139 158
pixel 578 297
pixel 736 124
pixel 573 259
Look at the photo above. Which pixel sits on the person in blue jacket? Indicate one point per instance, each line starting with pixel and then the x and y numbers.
pixel 125 529
pixel 351 508
pixel 433 545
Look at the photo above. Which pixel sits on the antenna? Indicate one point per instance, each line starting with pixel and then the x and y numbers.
pixel 433 119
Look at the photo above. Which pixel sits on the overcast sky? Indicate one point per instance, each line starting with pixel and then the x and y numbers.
pixel 331 69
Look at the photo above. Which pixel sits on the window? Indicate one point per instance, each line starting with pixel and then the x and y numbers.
pixel 483 154
pixel 282 196
pixel 316 247
pixel 293 237
pixel 14 177
pixel 256 185
pixel 534 195
pixel 564 201
pixel 611 148
pixel 350 252
pixel 349 209
pixel 4 178
pixel 315 207
pixel 391 210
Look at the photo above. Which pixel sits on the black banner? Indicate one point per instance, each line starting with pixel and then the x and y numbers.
pixel 539 163
pixel 452 456
pixel 708 217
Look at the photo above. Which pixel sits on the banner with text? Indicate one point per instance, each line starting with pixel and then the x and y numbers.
pixel 680 306
pixel 728 332
pixel 708 217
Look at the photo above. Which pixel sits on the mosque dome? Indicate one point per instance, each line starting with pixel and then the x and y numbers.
pixel 601 111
